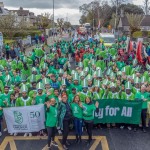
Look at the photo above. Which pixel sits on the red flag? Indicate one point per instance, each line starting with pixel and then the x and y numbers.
pixel 139 53
pixel 130 47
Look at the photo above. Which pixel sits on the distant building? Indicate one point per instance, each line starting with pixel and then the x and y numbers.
pixel 123 25
pixel 24 15
pixel 3 11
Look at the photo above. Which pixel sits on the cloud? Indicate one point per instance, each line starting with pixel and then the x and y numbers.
pixel 45 4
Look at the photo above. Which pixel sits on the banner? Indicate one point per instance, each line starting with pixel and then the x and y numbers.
pixel 118 111
pixel 25 119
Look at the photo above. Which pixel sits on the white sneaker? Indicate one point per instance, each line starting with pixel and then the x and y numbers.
pixel 5 129
pixel 122 127
pixel 129 128
pixel 0 133
pixel 30 134
pixel 26 134
pixel 15 134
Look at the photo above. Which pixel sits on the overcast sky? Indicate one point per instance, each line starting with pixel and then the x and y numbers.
pixel 63 8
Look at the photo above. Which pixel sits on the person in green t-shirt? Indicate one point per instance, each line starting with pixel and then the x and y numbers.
pixel 51 121
pixel 88 116
pixel 78 115
pixel 143 96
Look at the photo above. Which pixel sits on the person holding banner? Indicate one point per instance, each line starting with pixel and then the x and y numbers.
pixel 78 115
pixel 143 95
pixel 88 116
pixel 24 100
pixel 51 122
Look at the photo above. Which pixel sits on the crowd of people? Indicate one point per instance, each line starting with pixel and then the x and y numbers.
pixel 68 90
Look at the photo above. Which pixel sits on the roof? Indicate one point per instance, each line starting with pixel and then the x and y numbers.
pixel 21 12
pixel 145 21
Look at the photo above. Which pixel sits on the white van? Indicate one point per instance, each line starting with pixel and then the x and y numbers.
pixel 107 38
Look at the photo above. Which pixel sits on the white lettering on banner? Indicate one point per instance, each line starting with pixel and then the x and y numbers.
pixel 111 111
pixel 127 112
pixel 25 119
pixel 100 113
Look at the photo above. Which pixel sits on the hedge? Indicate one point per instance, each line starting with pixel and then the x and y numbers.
pixel 140 34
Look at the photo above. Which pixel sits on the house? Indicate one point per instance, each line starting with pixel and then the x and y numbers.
pixel 24 15
pixel 3 11
pixel 123 25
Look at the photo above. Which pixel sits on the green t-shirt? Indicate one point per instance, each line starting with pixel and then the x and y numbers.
pixel 88 111
pixel 40 99
pixel 5 97
pixel 77 111
pixel 51 119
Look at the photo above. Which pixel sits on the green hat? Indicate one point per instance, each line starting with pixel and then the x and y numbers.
pixel 123 69
pixel 89 77
pixel 80 64
pixel 76 76
pixel 112 75
pixel 45 57
pixel 112 84
pixel 136 80
pixel 24 59
pixel 63 82
pixel 34 69
pixel 82 74
pixel 40 86
pixel 73 72
pixel 24 88
pixel 133 76
pixel 33 78
pixel 128 85
pixel 108 71
pixel 44 66
pixel 61 71
pixel 106 82
pixel 93 62
pixel 99 73
pixel 97 83
pixel 134 61
pixel 143 79
pixel 1 68
pixel 86 69
pixel 114 57
pixel 23 78
pixel 45 81
pixel 8 78
pixel 84 83
pixel 148 66
pixel 98 68
pixel 119 73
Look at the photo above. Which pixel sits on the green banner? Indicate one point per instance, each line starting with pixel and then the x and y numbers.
pixel 118 111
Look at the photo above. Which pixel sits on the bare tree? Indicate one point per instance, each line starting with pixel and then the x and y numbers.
pixel 8 25
pixel 134 21
pixel 60 23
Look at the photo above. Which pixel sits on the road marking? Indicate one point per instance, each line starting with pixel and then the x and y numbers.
pixel 11 140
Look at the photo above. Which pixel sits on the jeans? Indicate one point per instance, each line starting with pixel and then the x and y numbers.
pixel 51 134
pixel 78 126
pixel 66 124
pixel 89 127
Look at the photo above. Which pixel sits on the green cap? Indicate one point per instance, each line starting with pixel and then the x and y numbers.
pixel 143 79
pixel 61 71
pixel 112 84
pixel 97 83
pixel 108 71
pixel 112 75
pixel 106 82
pixel 119 73
pixel 86 69
pixel 1 68
pixel 99 73
pixel 23 78
pixel 82 74
pixel 123 69
pixel 34 69
pixel 148 66
pixel 73 72
pixel 8 78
